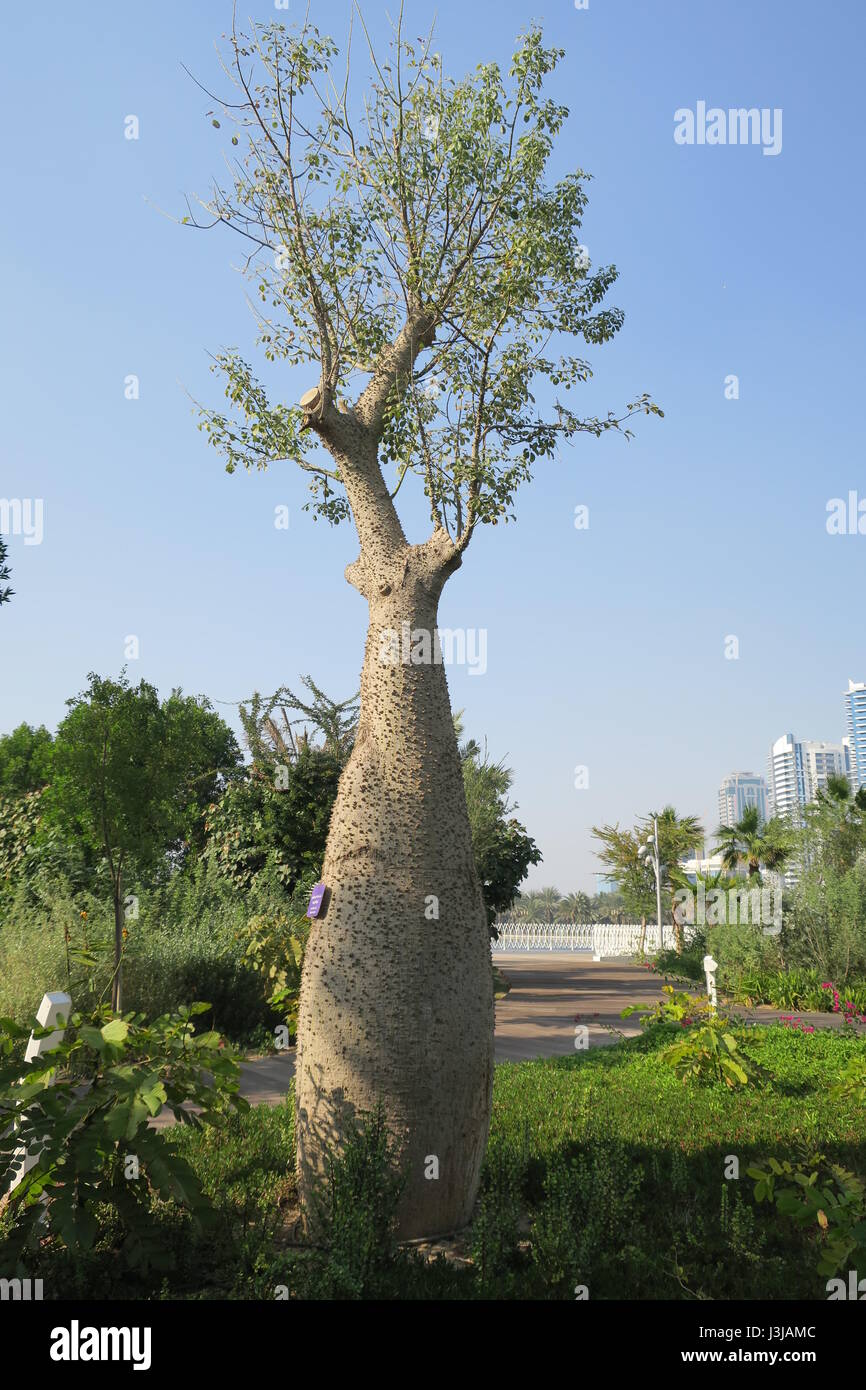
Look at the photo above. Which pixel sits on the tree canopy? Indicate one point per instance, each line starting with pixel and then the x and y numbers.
pixel 130 776
pixel 413 250
pixel 503 850
pixel 25 760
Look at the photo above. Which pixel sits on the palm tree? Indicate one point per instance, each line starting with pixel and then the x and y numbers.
pixel 748 842
pixel 835 824
pixel 5 594
pixel 525 907
pixel 575 907
pixel 547 902
pixel 678 837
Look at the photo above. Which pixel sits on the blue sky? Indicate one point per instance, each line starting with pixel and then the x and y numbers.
pixel 605 646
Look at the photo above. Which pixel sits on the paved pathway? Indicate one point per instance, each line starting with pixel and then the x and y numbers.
pixel 536 1018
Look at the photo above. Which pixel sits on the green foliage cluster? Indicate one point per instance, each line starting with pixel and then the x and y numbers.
pixel 185 940
pixel 503 851
pixel 19 823
pixel 707 1050
pixel 823 1198
pixel 83 1108
pixel 275 819
pixel 797 989
pixel 357 1215
pixel 274 944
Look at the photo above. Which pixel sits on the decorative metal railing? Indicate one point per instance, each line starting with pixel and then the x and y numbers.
pixel 601 938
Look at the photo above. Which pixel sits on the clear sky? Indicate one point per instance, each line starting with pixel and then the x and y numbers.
pixel 605 646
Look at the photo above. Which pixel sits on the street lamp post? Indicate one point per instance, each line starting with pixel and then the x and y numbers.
pixel 649 853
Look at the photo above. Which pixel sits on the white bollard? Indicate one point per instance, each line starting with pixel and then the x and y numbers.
pixel 46 1016
pixel 710 968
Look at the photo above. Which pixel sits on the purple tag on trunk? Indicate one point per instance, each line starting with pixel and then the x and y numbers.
pixel 316 897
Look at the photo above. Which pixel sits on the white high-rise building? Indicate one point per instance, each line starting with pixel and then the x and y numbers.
pixel 785 776
pixel 739 791
pixel 855 713
pixel 800 768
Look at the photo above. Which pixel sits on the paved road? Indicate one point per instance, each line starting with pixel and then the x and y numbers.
pixel 535 1019
pixel 537 1016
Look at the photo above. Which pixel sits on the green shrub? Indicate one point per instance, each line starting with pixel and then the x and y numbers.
pixel 825 924
pixel 825 1199
pixel 801 989
pixel 495 1233
pixel 356 1212
pixel 707 1050
pixel 555 1229
pixel 184 941
pixel 98 1162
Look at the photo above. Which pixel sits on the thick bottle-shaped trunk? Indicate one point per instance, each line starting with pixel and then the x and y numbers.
pixel 397 996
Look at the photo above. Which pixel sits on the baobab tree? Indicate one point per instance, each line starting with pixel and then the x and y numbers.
pixel 409 250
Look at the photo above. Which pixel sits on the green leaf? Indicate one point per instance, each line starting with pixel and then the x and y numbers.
pixel 115 1032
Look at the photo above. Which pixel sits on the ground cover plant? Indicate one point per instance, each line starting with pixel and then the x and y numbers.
pixel 606 1172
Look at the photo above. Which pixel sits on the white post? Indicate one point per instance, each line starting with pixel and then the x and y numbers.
pixel 710 968
pixel 46 1016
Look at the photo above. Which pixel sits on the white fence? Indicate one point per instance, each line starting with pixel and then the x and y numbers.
pixel 601 938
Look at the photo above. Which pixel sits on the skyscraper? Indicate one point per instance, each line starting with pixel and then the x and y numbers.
pixel 855 713
pixel 738 791
pixel 800 768
pixel 785 776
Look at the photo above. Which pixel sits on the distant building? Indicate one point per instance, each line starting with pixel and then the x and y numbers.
pixel 855 716
pixel 605 884
pixel 823 761
pixel 800 768
pixel 705 865
pixel 739 791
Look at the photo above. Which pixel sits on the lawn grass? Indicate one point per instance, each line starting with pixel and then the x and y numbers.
pixel 603 1169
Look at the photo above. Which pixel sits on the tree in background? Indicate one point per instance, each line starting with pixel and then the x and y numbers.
pixel 270 733
pixel 274 817
pixel 834 826
pixel 610 907
pixel 678 837
pixel 575 907
pixel 25 760
pixel 5 573
pixel 501 847
pixel 825 916
pixel 634 877
pixel 127 778
pixel 409 249
pixel 25 770
pixel 750 843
